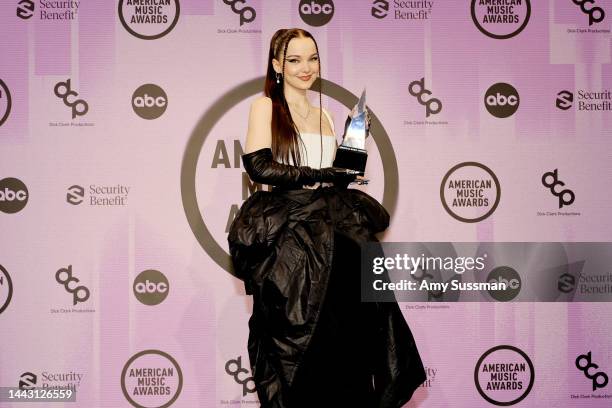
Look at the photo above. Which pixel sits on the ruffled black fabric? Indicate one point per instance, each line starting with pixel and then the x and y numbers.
pixel 283 246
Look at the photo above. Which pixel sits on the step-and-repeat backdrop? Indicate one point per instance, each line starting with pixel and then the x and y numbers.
pixel 122 123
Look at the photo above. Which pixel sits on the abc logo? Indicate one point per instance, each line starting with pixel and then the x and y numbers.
pixel 13 195
pixel 149 101
pixel 316 12
pixel 507 276
pixel 501 100
pixel 151 287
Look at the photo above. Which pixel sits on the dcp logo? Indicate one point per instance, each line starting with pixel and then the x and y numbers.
pixel 234 368
pixel 566 197
pixel 79 293
pixel 583 363
pixel 62 90
pixel 507 276
pixel 13 195
pixel 25 9
pixel 596 14
pixel 247 14
pixel 417 89
pixel 5 102
pixel 380 8
pixel 149 101
pixel 75 195
pixel 564 100
pixel 151 287
pixel 316 12
pixel 501 100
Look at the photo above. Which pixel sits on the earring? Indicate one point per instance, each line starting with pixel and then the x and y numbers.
pixel 277 78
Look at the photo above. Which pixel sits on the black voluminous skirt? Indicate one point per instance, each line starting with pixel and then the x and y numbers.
pixel 337 368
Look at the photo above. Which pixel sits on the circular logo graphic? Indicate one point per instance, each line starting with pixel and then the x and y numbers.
pixel 6 289
pixel 149 101
pixel 5 102
pixel 501 100
pixel 150 379
pixel 316 13
pixel 504 375
pixel 501 21
pixel 149 21
pixel 510 278
pixel 13 195
pixel 564 100
pixel 151 287
pixel 226 103
pixel 470 192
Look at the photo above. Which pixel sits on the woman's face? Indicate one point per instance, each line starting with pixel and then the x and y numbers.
pixel 301 63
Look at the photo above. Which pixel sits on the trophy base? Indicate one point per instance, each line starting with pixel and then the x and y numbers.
pixel 351 158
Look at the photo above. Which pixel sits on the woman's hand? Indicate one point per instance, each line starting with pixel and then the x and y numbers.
pixel 361 180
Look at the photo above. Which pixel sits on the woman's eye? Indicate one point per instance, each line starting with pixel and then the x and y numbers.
pixel 292 60
pixel 315 58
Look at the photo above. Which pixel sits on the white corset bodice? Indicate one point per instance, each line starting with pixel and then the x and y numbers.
pixel 310 150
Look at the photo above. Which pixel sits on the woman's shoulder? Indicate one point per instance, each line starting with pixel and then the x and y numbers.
pixel 261 103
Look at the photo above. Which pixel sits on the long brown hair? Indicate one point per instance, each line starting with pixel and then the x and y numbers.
pixel 285 134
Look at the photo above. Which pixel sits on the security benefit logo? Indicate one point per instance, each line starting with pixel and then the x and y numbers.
pixel 588 101
pixel 595 377
pixel 149 19
pixel 6 289
pixel 97 195
pixel 52 379
pixel 13 195
pixel 5 102
pixel 470 192
pixel 404 10
pixel 151 378
pixel 504 375
pixel 49 10
pixel 501 19
pixel 316 13
pixel 235 370
pixel 25 9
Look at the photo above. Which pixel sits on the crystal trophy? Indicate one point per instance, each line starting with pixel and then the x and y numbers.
pixel 351 154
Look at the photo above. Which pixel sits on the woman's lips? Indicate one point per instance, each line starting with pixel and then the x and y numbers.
pixel 306 78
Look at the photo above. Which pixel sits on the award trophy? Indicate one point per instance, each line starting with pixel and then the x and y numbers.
pixel 351 154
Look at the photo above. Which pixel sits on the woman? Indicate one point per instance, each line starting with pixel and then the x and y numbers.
pixel 312 343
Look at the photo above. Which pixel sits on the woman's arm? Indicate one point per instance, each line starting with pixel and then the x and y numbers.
pixel 259 132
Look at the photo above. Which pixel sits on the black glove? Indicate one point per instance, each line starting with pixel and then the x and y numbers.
pixel 262 168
